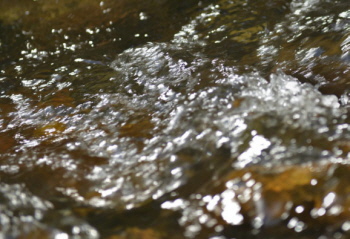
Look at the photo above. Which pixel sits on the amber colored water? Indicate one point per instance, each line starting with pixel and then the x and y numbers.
pixel 174 119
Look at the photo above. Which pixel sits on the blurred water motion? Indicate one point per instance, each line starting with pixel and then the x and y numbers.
pixel 174 119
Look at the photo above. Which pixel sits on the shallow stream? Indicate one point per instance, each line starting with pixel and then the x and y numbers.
pixel 175 119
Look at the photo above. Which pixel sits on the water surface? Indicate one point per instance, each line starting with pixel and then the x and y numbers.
pixel 167 119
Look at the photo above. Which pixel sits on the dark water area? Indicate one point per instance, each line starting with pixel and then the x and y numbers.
pixel 174 119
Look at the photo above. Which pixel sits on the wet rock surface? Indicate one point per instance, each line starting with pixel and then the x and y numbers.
pixel 168 119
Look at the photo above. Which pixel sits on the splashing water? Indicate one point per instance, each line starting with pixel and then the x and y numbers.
pixel 231 123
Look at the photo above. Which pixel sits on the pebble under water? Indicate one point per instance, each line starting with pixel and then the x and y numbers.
pixel 175 119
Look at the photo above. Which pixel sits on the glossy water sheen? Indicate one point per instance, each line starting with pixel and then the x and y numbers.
pixel 174 119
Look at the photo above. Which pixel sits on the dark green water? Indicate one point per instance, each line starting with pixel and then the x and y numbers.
pixel 174 119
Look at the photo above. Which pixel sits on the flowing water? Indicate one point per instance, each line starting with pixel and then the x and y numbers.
pixel 175 119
